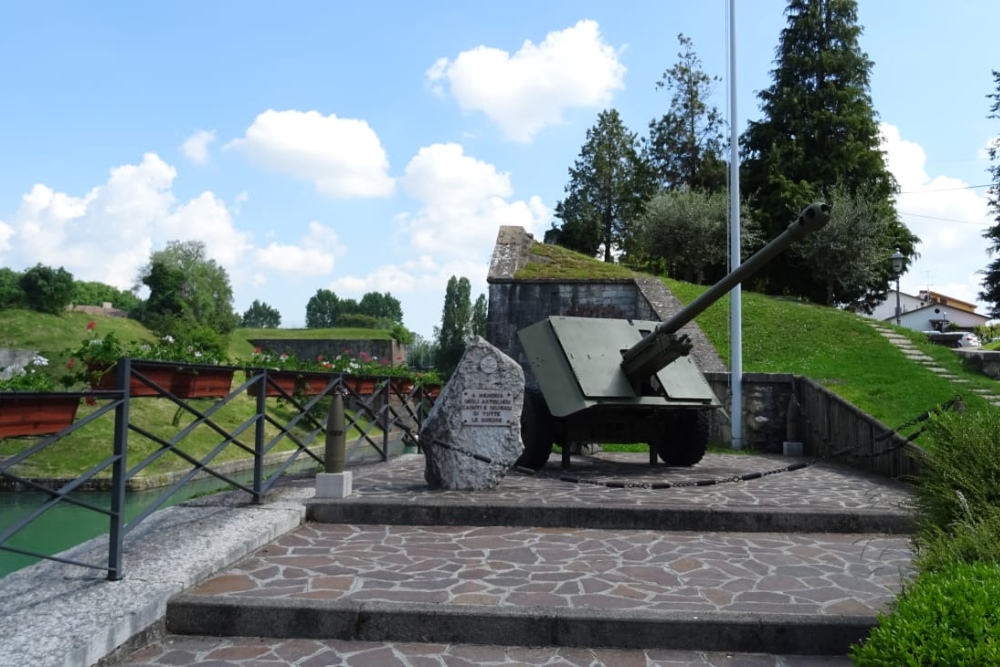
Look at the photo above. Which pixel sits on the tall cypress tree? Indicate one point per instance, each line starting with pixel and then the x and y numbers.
pixel 456 319
pixel 991 279
pixel 819 132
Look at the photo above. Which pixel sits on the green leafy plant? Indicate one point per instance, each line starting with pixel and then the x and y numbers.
pixel 95 355
pixel 31 377
pixel 425 378
pixel 949 617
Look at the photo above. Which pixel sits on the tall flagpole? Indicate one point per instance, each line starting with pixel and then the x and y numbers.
pixel 735 297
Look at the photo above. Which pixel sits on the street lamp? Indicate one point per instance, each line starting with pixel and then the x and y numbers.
pixel 897 266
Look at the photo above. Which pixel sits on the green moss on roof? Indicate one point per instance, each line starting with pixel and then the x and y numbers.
pixel 552 262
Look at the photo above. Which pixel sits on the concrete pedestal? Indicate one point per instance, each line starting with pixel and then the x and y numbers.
pixel 792 448
pixel 333 484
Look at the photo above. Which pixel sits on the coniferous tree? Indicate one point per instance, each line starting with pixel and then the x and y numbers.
pixel 455 324
pixel 991 279
pixel 686 144
pixel 819 131
pixel 609 185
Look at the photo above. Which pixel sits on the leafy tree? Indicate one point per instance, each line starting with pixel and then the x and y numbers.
pixel 609 184
pixel 322 310
pixel 45 289
pixel 848 259
pixel 11 294
pixel 381 306
pixel 261 316
pixel 94 293
pixel 455 324
pixel 991 279
pixel 686 144
pixel 819 131
pixel 685 235
pixel 185 284
pixel 478 324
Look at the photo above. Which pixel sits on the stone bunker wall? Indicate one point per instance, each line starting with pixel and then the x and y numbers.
pixel 517 303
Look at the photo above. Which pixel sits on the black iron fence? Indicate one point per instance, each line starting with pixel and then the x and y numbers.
pixel 289 417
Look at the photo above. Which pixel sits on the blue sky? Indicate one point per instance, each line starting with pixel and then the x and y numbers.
pixel 380 145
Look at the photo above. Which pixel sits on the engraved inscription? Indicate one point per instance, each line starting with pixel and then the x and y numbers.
pixel 487 407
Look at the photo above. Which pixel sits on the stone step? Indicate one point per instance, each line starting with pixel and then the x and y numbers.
pixel 770 593
pixel 256 652
pixel 621 490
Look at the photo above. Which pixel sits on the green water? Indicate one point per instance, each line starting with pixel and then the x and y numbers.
pixel 65 525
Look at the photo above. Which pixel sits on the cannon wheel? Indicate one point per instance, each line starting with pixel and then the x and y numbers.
pixel 537 431
pixel 685 438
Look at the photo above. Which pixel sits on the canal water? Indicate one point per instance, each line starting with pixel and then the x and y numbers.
pixel 65 525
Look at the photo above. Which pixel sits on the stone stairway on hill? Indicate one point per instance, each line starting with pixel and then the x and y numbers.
pixel 911 352
pixel 788 569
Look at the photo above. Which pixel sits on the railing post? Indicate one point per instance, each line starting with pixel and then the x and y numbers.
pixel 384 418
pixel 258 439
pixel 335 451
pixel 119 468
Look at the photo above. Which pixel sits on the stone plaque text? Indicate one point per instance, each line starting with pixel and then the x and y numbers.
pixel 487 407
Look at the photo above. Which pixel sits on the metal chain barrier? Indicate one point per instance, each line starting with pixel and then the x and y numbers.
pixel 955 403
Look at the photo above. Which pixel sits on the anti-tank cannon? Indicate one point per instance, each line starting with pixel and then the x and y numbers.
pixel 627 381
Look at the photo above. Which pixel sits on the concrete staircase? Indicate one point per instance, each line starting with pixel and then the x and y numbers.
pixel 589 567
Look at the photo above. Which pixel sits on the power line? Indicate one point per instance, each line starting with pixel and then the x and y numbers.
pixel 932 217
pixel 967 187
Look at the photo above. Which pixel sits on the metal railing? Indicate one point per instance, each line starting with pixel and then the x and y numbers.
pixel 372 417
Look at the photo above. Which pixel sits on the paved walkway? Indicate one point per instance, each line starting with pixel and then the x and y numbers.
pixel 254 652
pixel 502 583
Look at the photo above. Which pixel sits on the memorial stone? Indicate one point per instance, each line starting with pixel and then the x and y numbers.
pixel 477 414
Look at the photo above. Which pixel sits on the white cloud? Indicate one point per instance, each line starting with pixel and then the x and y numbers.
pixel 195 147
pixel 108 234
pixel 314 256
pixel 529 90
pixel 464 202
pixel 947 215
pixel 342 156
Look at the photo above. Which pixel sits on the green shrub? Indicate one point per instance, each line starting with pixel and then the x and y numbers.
pixel 949 618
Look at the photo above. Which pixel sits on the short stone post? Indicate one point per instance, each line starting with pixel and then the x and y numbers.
pixel 792 446
pixel 335 482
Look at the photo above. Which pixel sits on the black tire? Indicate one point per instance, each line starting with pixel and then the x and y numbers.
pixel 537 432
pixel 684 438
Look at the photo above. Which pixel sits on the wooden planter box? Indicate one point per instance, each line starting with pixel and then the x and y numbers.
pixel 361 385
pixel 36 413
pixel 180 380
pixel 293 382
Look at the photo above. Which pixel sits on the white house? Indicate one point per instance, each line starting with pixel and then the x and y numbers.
pixel 929 311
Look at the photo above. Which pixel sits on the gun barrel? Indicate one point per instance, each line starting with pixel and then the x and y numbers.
pixel 641 360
